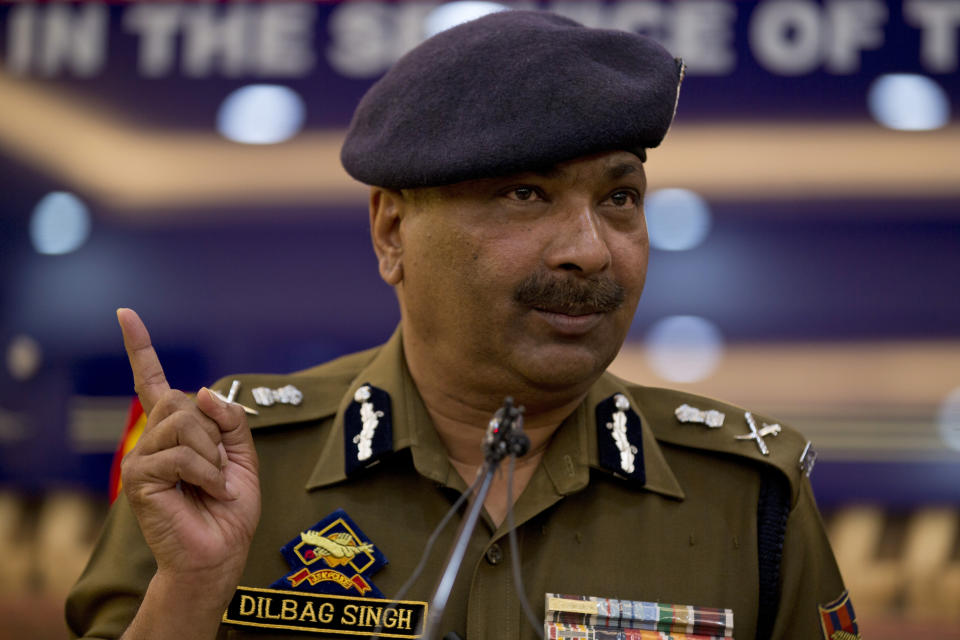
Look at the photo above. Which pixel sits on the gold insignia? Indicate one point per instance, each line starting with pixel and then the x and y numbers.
pixel 337 548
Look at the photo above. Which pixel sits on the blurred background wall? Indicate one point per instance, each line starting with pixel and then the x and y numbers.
pixel 182 159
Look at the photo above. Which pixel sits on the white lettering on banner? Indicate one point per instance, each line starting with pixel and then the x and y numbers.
pixel 640 17
pixel 285 43
pixel 157 26
pixel 366 38
pixel 409 26
pixel 359 39
pixel 785 37
pixel 703 36
pixel 699 31
pixel 211 36
pixel 57 39
pixel 855 26
pixel 268 39
pixel 938 21
pixel 797 37
pixel 20 27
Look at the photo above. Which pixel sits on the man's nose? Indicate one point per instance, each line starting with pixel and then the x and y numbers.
pixel 578 243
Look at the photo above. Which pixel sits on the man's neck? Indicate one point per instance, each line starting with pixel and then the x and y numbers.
pixel 462 427
pixel 460 416
pixel 463 441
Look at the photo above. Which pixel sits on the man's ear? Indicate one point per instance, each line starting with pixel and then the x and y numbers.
pixel 386 212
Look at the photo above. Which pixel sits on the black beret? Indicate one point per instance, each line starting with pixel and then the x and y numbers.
pixel 510 92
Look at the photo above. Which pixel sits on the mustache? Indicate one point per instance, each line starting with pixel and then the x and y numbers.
pixel 572 296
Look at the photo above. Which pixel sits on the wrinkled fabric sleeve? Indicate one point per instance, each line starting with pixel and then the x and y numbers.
pixel 809 572
pixel 106 597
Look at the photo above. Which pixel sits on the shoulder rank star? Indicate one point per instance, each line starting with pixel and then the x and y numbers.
pixel 759 434
pixel 712 418
pixel 266 397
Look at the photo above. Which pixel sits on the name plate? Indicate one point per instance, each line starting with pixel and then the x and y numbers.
pixel 319 613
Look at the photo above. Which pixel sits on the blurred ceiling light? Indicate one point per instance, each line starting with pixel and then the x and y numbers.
pixel 261 114
pixel 908 102
pixel 451 14
pixel 684 348
pixel 60 223
pixel 948 420
pixel 23 357
pixel 677 219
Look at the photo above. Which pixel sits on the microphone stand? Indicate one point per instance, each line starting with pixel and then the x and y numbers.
pixel 504 437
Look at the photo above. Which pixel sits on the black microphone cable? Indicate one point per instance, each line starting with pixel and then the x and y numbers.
pixel 432 540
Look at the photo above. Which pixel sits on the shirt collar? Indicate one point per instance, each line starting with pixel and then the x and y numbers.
pixel 412 426
pixel 567 461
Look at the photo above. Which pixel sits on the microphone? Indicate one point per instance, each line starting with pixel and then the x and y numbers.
pixel 504 437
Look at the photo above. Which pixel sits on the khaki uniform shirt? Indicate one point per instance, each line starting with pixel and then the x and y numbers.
pixel 688 535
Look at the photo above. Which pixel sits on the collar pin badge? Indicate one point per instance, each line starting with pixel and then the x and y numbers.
pixel 712 418
pixel 231 398
pixel 759 434
pixel 618 427
pixel 370 419
pixel 266 397
pixel 807 459
pixel 367 428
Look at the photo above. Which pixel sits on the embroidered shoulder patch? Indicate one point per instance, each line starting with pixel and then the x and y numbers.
pixel 838 620
pixel 333 557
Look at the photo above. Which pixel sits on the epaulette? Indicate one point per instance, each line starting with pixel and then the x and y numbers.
pixel 304 396
pixel 697 422
pixel 783 455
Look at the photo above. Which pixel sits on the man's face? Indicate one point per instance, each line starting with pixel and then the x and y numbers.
pixel 527 282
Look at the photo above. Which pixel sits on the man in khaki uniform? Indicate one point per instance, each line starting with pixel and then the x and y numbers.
pixel 506 158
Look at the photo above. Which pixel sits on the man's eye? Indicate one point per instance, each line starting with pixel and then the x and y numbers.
pixel 522 193
pixel 624 198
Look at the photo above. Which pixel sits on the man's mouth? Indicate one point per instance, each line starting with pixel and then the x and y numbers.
pixel 569 311
pixel 570 324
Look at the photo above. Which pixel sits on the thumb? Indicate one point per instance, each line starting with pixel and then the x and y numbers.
pixel 229 417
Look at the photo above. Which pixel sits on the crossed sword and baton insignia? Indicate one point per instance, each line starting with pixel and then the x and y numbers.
pixel 759 434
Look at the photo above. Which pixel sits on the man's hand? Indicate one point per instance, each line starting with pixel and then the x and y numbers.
pixel 191 480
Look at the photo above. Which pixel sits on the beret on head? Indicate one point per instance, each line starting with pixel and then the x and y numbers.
pixel 510 92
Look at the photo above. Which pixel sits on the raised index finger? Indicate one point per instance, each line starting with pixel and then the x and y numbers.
pixel 148 378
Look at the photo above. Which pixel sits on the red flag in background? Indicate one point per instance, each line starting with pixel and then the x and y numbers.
pixel 136 421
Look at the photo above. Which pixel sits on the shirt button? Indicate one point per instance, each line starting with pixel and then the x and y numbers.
pixel 494 554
